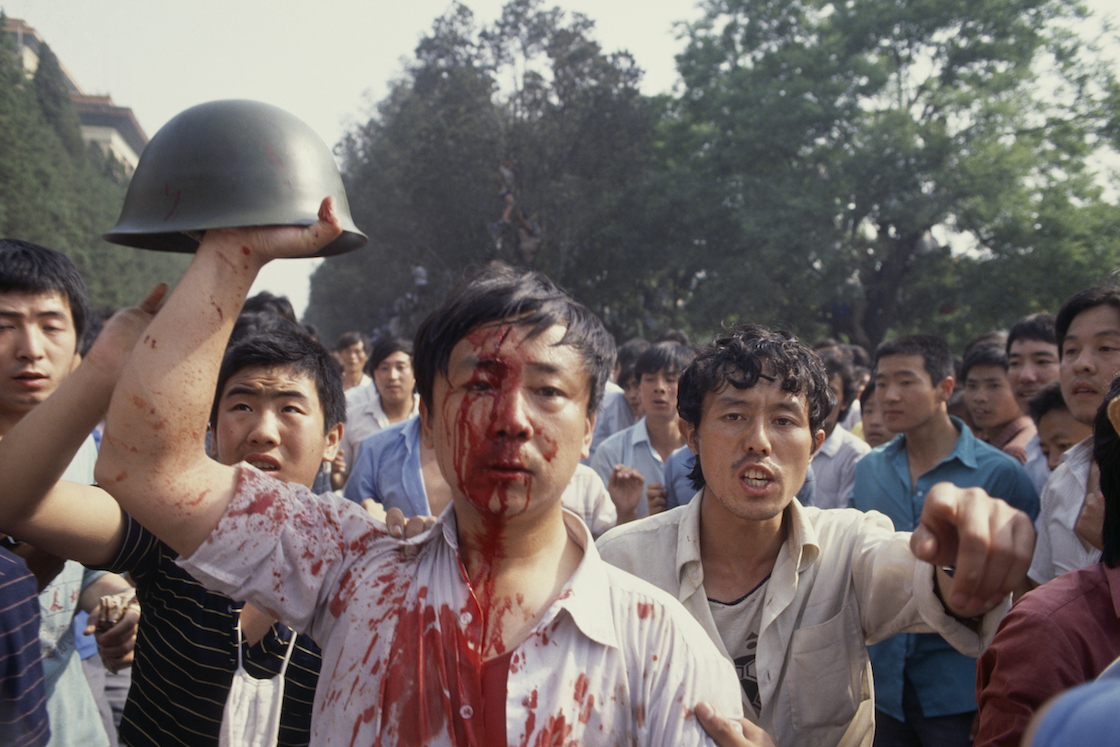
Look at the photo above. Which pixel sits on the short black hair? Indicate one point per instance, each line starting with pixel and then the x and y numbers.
pixel 1047 398
pixel 1106 452
pixel 499 294
pixel 1038 327
pixel 383 347
pixel 988 354
pixel 836 363
pixel 346 339
pixel 267 303
pixel 867 393
pixel 287 346
pixel 30 268
pixel 670 357
pixel 937 358
pixel 742 357
pixel 1104 294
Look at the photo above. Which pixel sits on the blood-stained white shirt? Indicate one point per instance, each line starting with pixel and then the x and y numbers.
pixel 612 661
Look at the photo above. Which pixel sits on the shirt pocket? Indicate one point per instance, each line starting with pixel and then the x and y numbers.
pixel 828 663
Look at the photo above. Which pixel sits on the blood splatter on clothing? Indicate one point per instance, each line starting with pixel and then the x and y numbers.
pixel 401 632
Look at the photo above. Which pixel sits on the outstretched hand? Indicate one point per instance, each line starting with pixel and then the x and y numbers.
pixel 265 243
pixel 121 333
pixel 625 487
pixel 989 543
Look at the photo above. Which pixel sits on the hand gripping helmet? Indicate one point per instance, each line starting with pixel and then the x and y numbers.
pixel 228 164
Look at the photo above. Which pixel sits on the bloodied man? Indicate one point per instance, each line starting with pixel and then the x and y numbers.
pixel 501 625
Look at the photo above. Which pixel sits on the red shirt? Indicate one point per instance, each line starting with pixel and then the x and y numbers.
pixel 1063 633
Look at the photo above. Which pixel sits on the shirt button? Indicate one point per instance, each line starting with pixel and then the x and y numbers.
pixel 466 711
pixel 465 620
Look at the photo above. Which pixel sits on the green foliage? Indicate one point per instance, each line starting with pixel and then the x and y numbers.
pixel 62 195
pixel 855 169
pixel 421 174
pixel 840 135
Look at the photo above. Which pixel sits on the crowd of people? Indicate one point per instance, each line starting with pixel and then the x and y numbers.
pixel 510 530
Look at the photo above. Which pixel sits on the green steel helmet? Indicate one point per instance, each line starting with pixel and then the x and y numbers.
pixel 227 164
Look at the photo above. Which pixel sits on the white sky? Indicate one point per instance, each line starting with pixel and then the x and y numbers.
pixel 326 62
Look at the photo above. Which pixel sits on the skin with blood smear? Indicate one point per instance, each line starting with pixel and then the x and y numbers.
pixel 509 427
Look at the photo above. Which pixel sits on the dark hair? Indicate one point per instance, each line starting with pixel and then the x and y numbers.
pixel 1106 452
pixel 742 357
pixel 287 346
pixel 678 336
pixel 1105 294
pixel 346 339
pixel 629 351
pixel 499 294
pixel 984 355
pixel 936 356
pixel 628 354
pixel 383 347
pixel 250 323
pixel 266 303
pixel 867 393
pixel 836 363
pixel 1048 397
pixel 1034 327
pixel 860 357
pixel 30 268
pixel 670 357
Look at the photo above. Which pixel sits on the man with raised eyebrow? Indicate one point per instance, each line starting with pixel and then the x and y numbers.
pixel 501 625
pixel 791 594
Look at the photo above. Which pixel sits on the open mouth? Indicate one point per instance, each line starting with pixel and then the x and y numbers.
pixel 756 477
pixel 263 463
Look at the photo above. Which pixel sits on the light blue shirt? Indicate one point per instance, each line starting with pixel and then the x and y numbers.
pixel 388 470
pixel 631 447
pixel 944 679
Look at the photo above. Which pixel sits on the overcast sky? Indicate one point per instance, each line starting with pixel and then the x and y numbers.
pixel 327 62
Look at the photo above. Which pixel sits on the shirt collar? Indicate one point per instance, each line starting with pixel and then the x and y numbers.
pixel 964 450
pixel 833 443
pixel 802 544
pixel 586 597
pixel 641 433
pixel 1080 453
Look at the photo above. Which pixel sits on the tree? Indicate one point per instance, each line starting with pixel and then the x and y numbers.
pixel 841 138
pixel 420 174
pixel 62 195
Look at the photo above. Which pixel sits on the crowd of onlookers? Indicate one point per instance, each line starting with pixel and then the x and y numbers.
pixel 841 628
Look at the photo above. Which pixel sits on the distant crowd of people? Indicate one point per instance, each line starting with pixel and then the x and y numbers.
pixel 509 530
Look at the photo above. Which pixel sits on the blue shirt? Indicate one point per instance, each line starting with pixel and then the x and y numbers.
pixel 23 691
pixel 944 679
pixel 388 470
pixel 679 490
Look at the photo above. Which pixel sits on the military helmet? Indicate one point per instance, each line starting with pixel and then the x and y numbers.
pixel 228 164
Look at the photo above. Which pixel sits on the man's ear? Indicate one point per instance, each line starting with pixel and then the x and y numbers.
pixel 426 425
pixel 691 437
pixel 945 388
pixel 588 434
pixel 818 439
pixel 333 441
pixel 76 362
